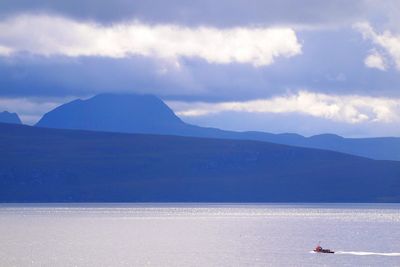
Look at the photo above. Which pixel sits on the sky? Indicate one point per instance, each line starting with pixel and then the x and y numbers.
pixel 307 67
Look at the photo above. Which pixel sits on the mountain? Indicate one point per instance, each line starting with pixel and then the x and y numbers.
pixel 8 117
pixel 115 113
pixel 133 113
pixel 57 165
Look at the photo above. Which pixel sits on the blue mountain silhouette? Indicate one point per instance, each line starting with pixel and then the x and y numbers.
pixel 132 113
pixel 8 117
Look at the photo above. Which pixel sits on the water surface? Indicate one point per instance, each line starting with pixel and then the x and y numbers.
pixel 199 235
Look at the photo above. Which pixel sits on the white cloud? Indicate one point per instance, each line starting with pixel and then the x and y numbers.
pixel 5 51
pixel 49 35
pixel 348 109
pixel 375 60
pixel 387 41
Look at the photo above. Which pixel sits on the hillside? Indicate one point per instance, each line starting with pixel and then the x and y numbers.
pixel 52 165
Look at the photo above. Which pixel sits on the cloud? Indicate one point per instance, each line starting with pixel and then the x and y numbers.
pixel 221 13
pixel 341 71
pixel 30 110
pixel 375 60
pixel 292 123
pixel 349 109
pixel 5 51
pixel 387 41
pixel 52 35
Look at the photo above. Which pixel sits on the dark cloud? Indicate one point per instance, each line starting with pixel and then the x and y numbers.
pixel 210 12
pixel 58 76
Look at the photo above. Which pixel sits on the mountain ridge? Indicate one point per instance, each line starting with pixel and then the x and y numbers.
pixel 132 113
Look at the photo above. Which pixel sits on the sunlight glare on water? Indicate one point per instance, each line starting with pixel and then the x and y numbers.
pixel 198 235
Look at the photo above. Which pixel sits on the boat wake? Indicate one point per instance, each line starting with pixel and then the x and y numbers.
pixel 367 253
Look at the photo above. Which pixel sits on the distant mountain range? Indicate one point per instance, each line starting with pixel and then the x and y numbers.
pixel 8 117
pixel 58 165
pixel 133 113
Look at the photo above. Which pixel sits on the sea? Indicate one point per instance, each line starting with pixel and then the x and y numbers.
pixel 173 234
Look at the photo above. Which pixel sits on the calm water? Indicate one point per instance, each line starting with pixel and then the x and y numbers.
pixel 198 235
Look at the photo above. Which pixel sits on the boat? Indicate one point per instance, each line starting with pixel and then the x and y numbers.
pixel 319 249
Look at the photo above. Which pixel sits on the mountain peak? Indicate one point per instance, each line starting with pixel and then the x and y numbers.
pixel 8 117
pixel 326 136
pixel 114 113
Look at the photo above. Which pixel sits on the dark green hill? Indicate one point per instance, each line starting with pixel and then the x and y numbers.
pixel 52 165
